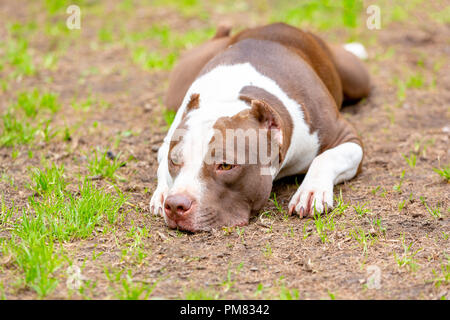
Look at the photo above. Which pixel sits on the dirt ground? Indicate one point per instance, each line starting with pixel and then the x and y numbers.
pixel 275 256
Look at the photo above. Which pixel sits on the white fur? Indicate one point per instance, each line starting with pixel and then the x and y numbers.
pixel 219 96
pixel 357 49
pixel 329 168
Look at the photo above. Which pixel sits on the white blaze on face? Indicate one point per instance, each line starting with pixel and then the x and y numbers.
pixel 190 151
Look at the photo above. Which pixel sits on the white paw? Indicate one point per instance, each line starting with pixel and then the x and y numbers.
pixel 312 195
pixel 157 201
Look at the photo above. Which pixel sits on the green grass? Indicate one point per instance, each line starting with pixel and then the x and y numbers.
pixel 288 294
pixel 442 276
pixel 378 226
pixel 100 165
pixel 443 172
pixel 411 160
pixel 186 8
pixel 401 90
pixel 29 116
pixel 136 249
pixel 200 294
pixel 105 35
pixel 15 131
pixel 340 206
pixel 154 58
pixel 325 223
pixel 66 216
pixel 284 292
pixel 58 7
pixel 320 14
pixel 54 215
pixel 394 11
pixel 132 290
pixel 47 182
pixel 22 30
pixel 361 209
pixel 18 56
pixel 33 102
pixel 398 186
pixel 407 259
pixel 441 16
pixel 169 116
pixel 277 205
pixel 415 81
pixel 435 212
pixel 190 38
pixel 83 104
pixel 365 239
pixel 127 288
pixel 6 213
pixel 267 250
pixel 38 259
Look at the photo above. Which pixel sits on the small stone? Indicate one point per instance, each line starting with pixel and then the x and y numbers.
pixel 155 148
pixel 110 155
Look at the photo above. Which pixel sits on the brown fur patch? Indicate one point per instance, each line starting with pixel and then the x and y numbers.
pixel 193 103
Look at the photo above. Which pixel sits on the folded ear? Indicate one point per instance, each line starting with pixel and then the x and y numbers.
pixel 267 116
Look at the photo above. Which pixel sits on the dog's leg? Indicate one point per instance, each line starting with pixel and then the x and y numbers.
pixel 327 169
pixel 354 75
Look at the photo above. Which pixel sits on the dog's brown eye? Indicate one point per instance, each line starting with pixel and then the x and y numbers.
pixel 225 167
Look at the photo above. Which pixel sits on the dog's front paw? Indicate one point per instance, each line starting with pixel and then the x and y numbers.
pixel 157 201
pixel 312 195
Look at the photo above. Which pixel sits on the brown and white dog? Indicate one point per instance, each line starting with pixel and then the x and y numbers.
pixel 278 80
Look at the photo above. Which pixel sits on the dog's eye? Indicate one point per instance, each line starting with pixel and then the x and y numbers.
pixel 225 167
pixel 175 160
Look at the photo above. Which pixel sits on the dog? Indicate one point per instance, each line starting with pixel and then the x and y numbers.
pixel 275 87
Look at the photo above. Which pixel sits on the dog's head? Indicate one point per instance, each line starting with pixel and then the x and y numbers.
pixel 222 168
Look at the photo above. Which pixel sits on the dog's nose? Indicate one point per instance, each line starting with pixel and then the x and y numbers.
pixel 177 205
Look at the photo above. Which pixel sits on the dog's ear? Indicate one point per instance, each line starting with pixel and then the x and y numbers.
pixel 265 114
pixel 267 117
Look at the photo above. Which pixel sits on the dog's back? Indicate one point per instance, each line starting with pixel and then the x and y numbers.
pixel 340 71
